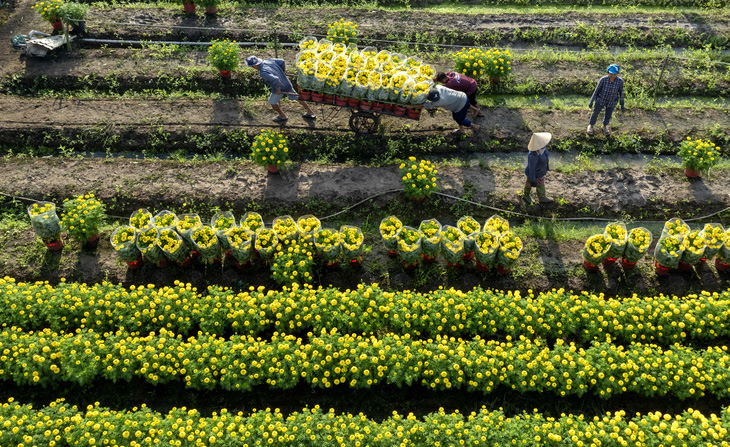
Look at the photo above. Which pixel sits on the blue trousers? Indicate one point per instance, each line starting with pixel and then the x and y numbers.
pixel 460 116
pixel 606 117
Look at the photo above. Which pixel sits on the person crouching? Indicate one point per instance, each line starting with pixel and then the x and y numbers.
pixel 455 102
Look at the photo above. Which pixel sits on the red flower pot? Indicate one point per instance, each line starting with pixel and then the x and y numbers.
pixel 58 26
pixel 189 8
pixel 388 107
pixel 244 266
pixel 661 270
pixel 340 101
pixel 378 106
pixel 399 111
pixel 684 266
pixel 55 246
pixel 409 266
pixel 392 253
pixel 305 95
pixel 352 102
pixel 702 260
pixel 413 113
pixel 366 105
pixel 195 254
pixel 494 80
pixel 92 242
pixel 317 97
pixel 273 168
pixel 428 259
pixel 627 265
pixel 691 173
pixel 721 266
pixel 468 256
pixel 609 261
pixel 589 267
pixel 333 265
pixel 355 262
pixel 135 265
pixel 187 261
pixel 453 266
pixel 482 268
pixel 503 270
pixel 164 263
pixel 211 10
pixel 225 73
pixel 328 99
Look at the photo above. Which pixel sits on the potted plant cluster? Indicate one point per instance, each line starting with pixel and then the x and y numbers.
pixel 223 55
pixel 49 11
pixel 82 217
pixel 493 64
pixel 698 156
pixel 418 178
pixel 270 148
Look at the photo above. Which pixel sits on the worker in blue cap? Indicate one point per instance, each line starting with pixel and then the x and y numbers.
pixel 608 93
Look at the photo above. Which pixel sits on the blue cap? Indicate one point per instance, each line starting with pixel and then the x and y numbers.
pixel 614 69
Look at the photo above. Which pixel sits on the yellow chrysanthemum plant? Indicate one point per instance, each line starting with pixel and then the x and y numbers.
pixel 595 250
pixel 470 227
pixel 224 56
pixel 418 178
pixel 270 148
pixel 618 234
pixel 694 249
pixel 266 242
pixel 140 219
pixel 82 217
pixel 49 10
pixel 667 253
pixel 389 228
pixel 186 225
pixel 510 247
pixel 675 227
pixel 452 245
pixel 124 242
pixel 637 244
pixel 308 225
pixel 174 247
pixel 221 223
pixel 352 240
pixel 497 223
pixel 491 64
pixel 715 237
pixel 46 224
pixel 343 32
pixel 698 155
pixel 430 239
pixel 147 244
pixel 293 262
pixel 165 219
pixel 286 228
pixel 240 242
pixel 251 221
pixel 722 261
pixel 205 241
pixel 486 246
pixel 409 246
pixel 328 245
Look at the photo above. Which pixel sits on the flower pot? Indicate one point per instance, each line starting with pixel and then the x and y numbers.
pixel 273 168
pixel 365 105
pixel 721 266
pixel 494 80
pixel 58 26
pixel 55 245
pixel 609 261
pixel 135 265
pixel 388 107
pixel 356 262
pixel 449 265
pixel 627 265
pixel 328 99
pixel 305 95
pixel 225 73
pixel 163 263
pixel 419 199
pixel 352 102
pixel 244 266
pixel 378 106
pixel 392 253
pixel 92 242
pixel 503 270
pixel 482 268
pixel 414 113
pixel 691 173
pixel 340 101
pixel 211 10
pixel 684 266
pixel 428 259
pixel 399 111
pixel 468 256
pixel 189 8
pixel 661 270
pixel 332 265
pixel 195 254
pixel 589 267
pixel 409 266
pixel 702 260
pixel 317 97
pixel 187 261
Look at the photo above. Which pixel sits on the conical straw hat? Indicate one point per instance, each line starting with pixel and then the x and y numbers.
pixel 539 140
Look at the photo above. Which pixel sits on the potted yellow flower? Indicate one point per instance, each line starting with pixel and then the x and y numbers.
pixel 266 242
pixel 46 224
pixel 352 239
pixel 342 32
pixel 207 244
pixel 698 156
pixel 223 55
pixel 667 253
pixel 637 244
pixel 510 247
pixel 722 261
pixel 714 236
pixel 49 10
pixel 470 227
pixel 240 241
pixel 452 246
pixel 409 247
pixel 617 232
pixel 430 240
pixel 486 245
pixel 694 250
pixel 123 239
pixel 595 250
pixel 389 228
pixel 82 216
pixel 328 245
pixel 270 148
pixel 418 178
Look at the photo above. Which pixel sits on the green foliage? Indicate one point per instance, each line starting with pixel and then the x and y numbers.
pixel 293 262
pixel 72 12
pixel 82 216
pixel 270 147
pixel 49 9
pixel 699 154
pixel 342 32
pixel 223 55
pixel 418 178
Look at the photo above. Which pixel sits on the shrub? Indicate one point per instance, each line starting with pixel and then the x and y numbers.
pixel 418 178
pixel 82 216
pixel 475 62
pixel 270 147
pixel 342 32
pixel 699 155
pixel 72 12
pixel 223 55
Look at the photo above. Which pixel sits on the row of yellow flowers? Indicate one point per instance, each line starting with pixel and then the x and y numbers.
pixel 240 363
pixel 60 423
pixel 367 308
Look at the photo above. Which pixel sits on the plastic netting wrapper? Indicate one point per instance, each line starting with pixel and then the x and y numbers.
pixel 637 244
pixel 339 48
pixel 510 247
pixel 187 224
pixel 44 220
pixel 617 232
pixel 173 246
pixel 409 245
pixel 360 90
pixel 147 244
pixel 369 52
pixel 397 84
pixel 452 244
pixel 374 86
pixel 596 248
pixel 124 242
pixel 389 228
pixel 206 242
pixel 383 57
pixel 420 92
pixel 357 61
pixel 668 251
pixel 715 237
pixel 240 243
pixel 286 228
pixel 430 237
pixel 266 242
pixel 324 45
pixel 251 221
pixel 404 97
pixel 398 59
pixel 497 223
pixel 470 227
pixel 486 246
pixel 675 227
pixel 694 247
pixel 321 71
pixel 221 223
pixel 309 43
pixel 165 219
pixel 140 219
pixel 724 253
pixel 307 226
pixel 328 245
pixel 352 240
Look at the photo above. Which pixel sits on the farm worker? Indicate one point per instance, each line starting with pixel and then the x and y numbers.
pixel 461 83
pixel 608 93
pixel 272 72
pixel 455 102
pixel 538 164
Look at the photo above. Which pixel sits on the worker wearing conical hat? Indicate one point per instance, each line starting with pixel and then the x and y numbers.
pixel 538 164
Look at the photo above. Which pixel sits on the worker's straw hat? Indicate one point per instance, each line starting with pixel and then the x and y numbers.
pixel 253 60
pixel 539 140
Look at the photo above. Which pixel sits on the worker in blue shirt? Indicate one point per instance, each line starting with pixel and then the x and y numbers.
pixel 273 74
pixel 608 93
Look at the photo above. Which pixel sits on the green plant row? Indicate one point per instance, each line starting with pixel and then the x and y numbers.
pixel 369 309
pixel 240 363
pixel 61 424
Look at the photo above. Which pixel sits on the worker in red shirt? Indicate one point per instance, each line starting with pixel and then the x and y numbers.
pixel 461 83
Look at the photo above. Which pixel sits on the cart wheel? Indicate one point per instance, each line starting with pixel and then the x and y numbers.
pixel 364 122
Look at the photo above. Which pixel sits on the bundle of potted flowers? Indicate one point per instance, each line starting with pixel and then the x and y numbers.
pixel 327 242
pixel 595 250
pixel 430 239
pixel 418 178
pixel 240 242
pixel 124 240
pixel 81 218
pixel 510 247
pixel 389 228
pixel 409 246
pixel 636 246
pixel 46 224
pixel 486 245
pixel 452 246
pixel 352 244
